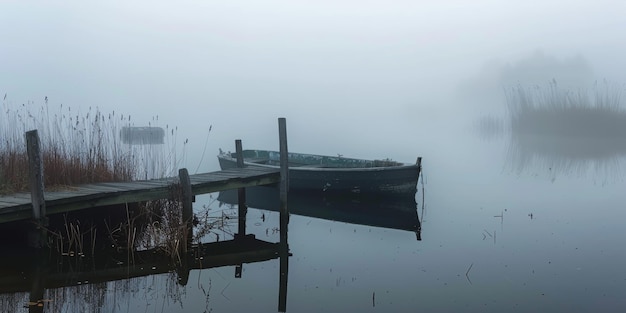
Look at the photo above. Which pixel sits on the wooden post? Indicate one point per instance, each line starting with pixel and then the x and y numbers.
pixel 187 200
pixel 284 214
pixel 284 178
pixel 242 208
pixel 239 153
pixel 35 173
pixel 418 232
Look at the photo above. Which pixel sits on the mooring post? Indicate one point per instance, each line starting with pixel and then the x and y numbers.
pixel 284 177
pixel 187 200
pixel 418 232
pixel 35 173
pixel 242 208
pixel 284 215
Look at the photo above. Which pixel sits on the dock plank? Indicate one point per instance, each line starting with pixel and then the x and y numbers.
pixel 18 206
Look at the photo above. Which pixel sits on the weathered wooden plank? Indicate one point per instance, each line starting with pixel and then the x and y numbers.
pixel 13 208
pixel 14 200
pixel 91 187
pixel 124 186
pixel 221 185
pixel 112 193
pixel 23 196
pixel 18 214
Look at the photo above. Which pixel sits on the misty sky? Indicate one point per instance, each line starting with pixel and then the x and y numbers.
pixel 319 63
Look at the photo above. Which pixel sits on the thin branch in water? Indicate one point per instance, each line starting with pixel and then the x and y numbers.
pixel 373 299
pixel 467 273
pixel 222 293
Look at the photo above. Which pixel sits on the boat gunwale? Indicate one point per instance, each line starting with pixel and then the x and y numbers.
pixel 400 166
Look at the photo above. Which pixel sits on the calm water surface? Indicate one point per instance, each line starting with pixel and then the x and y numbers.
pixel 510 222
pixel 500 232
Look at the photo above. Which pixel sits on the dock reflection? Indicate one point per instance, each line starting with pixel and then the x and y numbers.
pixel 400 213
pixel 45 275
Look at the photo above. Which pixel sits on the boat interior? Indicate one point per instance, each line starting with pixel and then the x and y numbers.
pixel 310 160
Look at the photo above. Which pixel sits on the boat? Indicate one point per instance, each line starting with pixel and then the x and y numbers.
pixel 335 174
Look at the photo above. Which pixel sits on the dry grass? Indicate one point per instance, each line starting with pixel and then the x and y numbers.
pixel 78 147
pixel 554 111
pixel 571 132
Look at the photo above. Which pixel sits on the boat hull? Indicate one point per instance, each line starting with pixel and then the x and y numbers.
pixel 391 180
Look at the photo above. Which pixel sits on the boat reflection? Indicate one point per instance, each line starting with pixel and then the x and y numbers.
pixel 395 213
pixel 49 282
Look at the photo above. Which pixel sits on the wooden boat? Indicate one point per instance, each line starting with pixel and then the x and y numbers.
pixel 335 173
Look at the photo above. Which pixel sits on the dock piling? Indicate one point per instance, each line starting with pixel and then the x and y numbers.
pixel 35 172
pixel 242 207
pixel 187 201
pixel 284 177
pixel 284 164
pixel 284 214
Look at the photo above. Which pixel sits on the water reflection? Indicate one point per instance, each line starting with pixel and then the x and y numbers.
pixel 395 213
pixel 45 281
pixel 561 132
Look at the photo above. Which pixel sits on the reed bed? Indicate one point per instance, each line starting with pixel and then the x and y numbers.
pixel 564 131
pixel 86 147
pixel 78 147
pixel 555 111
pixel 81 147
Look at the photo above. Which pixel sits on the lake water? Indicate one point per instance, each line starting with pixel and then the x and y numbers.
pixel 501 231
pixel 509 222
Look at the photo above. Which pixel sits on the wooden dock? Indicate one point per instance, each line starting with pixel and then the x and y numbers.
pixel 19 206
pixel 38 204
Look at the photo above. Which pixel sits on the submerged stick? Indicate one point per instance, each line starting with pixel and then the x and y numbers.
pixel 467 273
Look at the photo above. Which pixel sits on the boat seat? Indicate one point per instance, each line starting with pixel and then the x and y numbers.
pixel 256 160
pixel 314 165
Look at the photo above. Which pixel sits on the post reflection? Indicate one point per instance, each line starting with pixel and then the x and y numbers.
pixel 284 271
pixel 46 281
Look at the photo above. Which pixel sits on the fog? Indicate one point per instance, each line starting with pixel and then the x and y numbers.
pixel 373 79
pixel 346 69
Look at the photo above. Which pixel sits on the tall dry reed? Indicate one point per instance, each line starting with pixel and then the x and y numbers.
pixel 78 147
